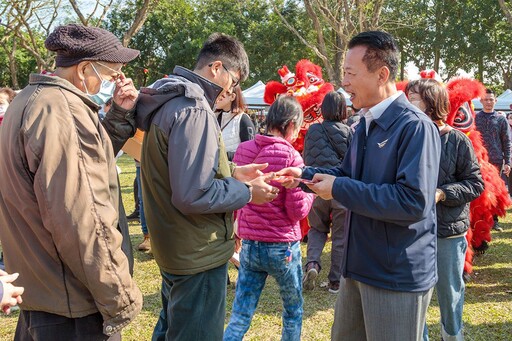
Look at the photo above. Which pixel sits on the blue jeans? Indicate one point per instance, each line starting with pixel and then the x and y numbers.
pixel 142 217
pixel 193 306
pixel 258 260
pixel 450 287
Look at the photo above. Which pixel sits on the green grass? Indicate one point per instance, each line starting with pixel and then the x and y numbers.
pixel 487 312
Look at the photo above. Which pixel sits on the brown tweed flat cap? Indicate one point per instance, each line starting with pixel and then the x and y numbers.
pixel 75 43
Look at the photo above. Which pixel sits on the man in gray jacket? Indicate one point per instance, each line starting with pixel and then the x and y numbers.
pixel 190 190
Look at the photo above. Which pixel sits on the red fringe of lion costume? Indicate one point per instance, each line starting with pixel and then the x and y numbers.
pixel 495 199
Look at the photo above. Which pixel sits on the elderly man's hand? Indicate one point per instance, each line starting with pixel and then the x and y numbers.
pixel 322 185
pixel 125 93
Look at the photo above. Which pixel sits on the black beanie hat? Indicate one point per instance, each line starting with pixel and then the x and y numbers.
pixel 75 43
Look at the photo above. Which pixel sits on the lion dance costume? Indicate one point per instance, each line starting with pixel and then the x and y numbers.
pixel 495 199
pixel 309 88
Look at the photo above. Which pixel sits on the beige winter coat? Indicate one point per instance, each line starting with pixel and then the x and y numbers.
pixel 59 206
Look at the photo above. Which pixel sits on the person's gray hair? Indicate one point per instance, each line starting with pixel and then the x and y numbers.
pixel 284 110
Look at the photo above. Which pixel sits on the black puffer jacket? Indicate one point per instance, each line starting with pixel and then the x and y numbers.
pixel 461 181
pixel 318 151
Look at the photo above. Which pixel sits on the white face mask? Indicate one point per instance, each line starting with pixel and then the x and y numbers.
pixel 106 90
pixel 3 109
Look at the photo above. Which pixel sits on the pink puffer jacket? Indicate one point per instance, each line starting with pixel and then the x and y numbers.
pixel 277 221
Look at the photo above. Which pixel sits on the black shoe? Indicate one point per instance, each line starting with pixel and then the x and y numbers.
pixel 480 250
pixel 133 216
pixel 497 227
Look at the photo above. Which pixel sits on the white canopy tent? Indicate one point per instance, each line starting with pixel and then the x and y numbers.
pixel 347 96
pixel 254 96
pixel 503 103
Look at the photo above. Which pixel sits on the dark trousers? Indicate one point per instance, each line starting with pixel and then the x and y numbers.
pixel 42 326
pixel 322 214
pixel 193 306
pixel 505 179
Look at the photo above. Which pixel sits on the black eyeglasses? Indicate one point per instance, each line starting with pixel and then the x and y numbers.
pixel 234 81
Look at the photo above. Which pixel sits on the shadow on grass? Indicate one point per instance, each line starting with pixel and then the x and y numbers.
pixel 127 190
pixel 270 303
pixel 477 332
pixel 153 303
pixel 500 331
pixel 492 273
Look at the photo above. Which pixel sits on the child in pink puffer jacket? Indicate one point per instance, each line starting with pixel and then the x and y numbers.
pixel 271 232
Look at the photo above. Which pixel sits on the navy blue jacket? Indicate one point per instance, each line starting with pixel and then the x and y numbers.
pixel 388 181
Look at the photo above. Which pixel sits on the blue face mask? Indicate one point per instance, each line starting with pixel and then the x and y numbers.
pixel 106 90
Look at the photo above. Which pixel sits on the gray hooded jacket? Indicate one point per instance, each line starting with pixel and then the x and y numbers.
pixel 188 192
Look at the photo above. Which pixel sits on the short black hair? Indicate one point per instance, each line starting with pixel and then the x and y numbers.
pixel 284 110
pixel 381 50
pixel 334 107
pixel 228 50
pixel 490 91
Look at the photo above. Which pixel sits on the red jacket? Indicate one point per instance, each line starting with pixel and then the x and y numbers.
pixel 277 221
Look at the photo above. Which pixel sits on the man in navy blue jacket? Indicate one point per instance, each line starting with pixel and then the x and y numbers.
pixel 387 182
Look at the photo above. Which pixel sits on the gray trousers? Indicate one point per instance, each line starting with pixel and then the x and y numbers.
pixel 363 312
pixel 320 217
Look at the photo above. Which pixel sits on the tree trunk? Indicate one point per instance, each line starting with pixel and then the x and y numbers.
pixel 13 66
pixel 338 61
pixel 402 65
pixel 138 22
pixel 507 79
pixel 320 41
pixel 480 74
pixel 506 11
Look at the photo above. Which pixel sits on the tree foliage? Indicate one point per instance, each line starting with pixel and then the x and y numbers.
pixel 175 31
pixel 473 35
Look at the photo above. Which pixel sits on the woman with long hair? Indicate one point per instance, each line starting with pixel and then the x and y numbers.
pixel 459 182
pixel 236 126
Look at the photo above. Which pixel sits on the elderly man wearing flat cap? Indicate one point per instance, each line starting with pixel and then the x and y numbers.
pixel 59 194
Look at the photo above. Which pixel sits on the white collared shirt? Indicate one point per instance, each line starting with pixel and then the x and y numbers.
pixel 378 109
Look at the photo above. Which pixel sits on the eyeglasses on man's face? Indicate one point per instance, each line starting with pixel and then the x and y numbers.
pixel 115 76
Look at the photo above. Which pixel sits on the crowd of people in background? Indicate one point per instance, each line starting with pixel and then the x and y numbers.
pixel 387 179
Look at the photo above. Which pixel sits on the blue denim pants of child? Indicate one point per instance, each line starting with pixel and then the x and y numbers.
pixel 450 287
pixel 258 260
pixel 193 306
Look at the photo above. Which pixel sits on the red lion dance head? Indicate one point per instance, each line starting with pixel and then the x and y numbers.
pixel 307 86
